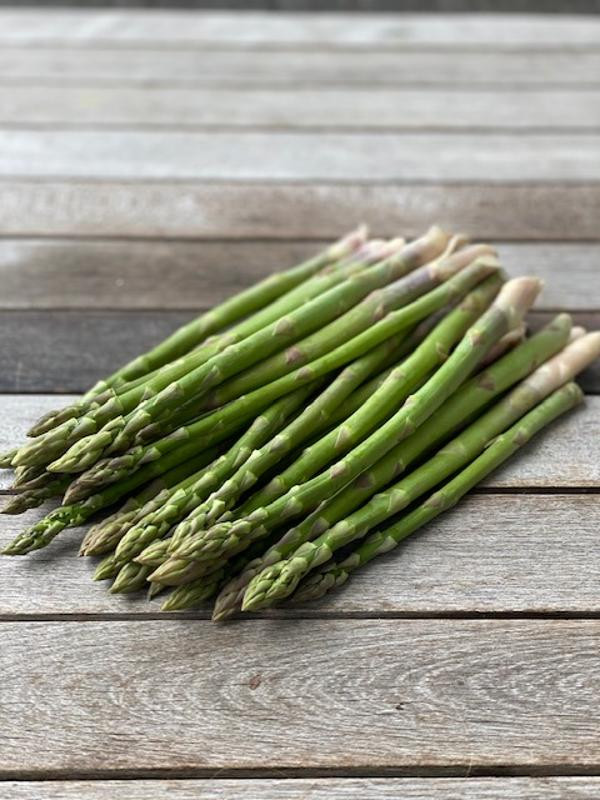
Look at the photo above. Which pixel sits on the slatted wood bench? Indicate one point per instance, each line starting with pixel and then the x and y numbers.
pixel 151 164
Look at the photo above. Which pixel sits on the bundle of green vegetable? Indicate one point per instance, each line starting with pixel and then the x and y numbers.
pixel 279 442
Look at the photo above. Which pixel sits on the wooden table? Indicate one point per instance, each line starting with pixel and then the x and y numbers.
pixel 151 164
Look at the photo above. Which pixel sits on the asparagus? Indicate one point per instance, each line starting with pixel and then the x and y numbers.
pixel 108 568
pixel 235 308
pixel 120 418
pixel 195 592
pixel 506 312
pixel 313 419
pixel 32 498
pixel 105 535
pixel 400 382
pixel 462 406
pixel 69 516
pixel 6 459
pixel 407 377
pixel 130 578
pixel 280 579
pixel 333 272
pixel 155 525
pixel 319 583
pixel 245 407
pixel 374 307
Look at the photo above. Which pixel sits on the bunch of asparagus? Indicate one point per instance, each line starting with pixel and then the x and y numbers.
pixel 277 443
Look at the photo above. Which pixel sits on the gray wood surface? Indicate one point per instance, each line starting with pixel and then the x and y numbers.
pixel 131 27
pixel 68 350
pixel 75 274
pixel 286 210
pixel 312 789
pixel 369 67
pixel 359 109
pixel 153 163
pixel 503 553
pixel 267 695
pixel 569 458
pixel 342 157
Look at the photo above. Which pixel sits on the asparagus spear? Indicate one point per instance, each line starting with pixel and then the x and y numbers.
pixel 280 579
pixel 32 498
pixel 234 413
pixel 70 516
pixel 105 535
pixel 314 418
pixel 235 308
pixel 157 524
pixel 194 375
pixel 403 380
pixel 195 592
pixel 130 578
pixel 312 285
pixel 373 308
pixel 506 312
pixel 108 568
pixel 319 583
pixel 463 405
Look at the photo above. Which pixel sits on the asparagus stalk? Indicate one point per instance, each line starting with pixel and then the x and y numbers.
pixel 130 578
pixel 235 308
pixel 315 417
pixel 70 516
pixel 195 592
pixel 462 406
pixel 105 535
pixel 194 375
pixel 32 498
pixel 281 579
pixel 234 413
pixel 403 380
pixel 157 524
pixel 286 330
pixel 108 568
pixel 373 308
pixel 319 583
pixel 311 285
pixel 506 312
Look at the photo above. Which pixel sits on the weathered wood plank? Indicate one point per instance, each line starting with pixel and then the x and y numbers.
pixel 67 273
pixel 501 553
pixel 68 350
pixel 312 789
pixel 345 157
pixel 423 693
pixel 164 28
pixel 292 68
pixel 570 457
pixel 363 109
pixel 316 210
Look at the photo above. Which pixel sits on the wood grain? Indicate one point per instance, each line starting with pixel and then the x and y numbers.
pixel 312 789
pixel 129 27
pixel 374 67
pixel 74 274
pixel 342 157
pixel 68 350
pixel 316 210
pixel 361 109
pixel 504 553
pixel 189 696
pixel 569 457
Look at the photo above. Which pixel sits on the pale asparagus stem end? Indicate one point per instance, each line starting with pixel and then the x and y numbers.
pixel 564 366
pixel 348 243
pixel 517 296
